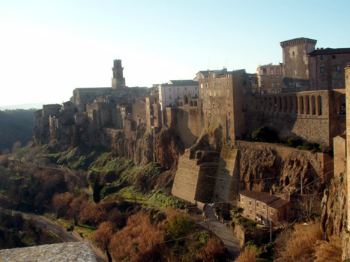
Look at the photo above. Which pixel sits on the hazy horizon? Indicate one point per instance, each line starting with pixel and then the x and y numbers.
pixel 50 48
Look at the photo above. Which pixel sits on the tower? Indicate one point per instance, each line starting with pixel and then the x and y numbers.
pixel 118 80
pixel 295 57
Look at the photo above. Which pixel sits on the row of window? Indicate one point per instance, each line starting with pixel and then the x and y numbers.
pixel 309 105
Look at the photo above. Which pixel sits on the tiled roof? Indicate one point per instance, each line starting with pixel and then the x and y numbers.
pixel 270 200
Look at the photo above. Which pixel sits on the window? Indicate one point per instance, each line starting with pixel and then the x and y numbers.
pixel 333 56
pixel 321 69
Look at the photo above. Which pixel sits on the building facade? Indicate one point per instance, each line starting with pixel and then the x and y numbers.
pixel 222 95
pixel 327 66
pixel 263 207
pixel 270 78
pixel 175 91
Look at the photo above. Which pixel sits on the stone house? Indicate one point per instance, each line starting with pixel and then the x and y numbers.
pixel 270 78
pixel 263 207
pixel 175 91
pixel 326 68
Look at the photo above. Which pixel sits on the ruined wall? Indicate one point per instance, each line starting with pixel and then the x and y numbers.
pixel 347 82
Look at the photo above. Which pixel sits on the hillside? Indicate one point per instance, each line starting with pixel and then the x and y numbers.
pixel 15 125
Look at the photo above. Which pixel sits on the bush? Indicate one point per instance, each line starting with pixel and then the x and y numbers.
pixel 265 134
pixel 178 226
pixel 214 250
pixel 139 240
pixel 330 251
pixel 299 245
pixel 249 254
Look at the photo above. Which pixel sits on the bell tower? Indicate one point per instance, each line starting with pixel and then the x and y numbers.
pixel 118 80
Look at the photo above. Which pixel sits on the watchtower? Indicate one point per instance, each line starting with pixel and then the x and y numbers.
pixel 118 80
pixel 295 57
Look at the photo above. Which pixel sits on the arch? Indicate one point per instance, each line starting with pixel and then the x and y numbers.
pixel 285 104
pixel 313 105
pixel 279 104
pixel 307 105
pixel 319 105
pixel 301 104
pixel 185 100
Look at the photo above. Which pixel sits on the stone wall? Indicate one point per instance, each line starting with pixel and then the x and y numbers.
pixel 188 124
pixel 195 178
pixel 347 81
pixel 316 116
pixel 222 101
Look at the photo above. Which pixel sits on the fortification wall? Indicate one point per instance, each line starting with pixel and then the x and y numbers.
pixel 316 116
pixel 194 180
pixel 188 124
pixel 227 182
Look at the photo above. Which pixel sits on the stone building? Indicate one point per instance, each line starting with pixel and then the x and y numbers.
pixel 177 92
pixel 222 104
pixel 263 207
pixel 295 60
pixel 326 68
pixel 270 78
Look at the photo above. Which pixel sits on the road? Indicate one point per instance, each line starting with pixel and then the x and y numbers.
pixel 222 231
pixel 44 223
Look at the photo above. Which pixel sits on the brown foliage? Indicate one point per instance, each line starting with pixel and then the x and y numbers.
pixel 329 251
pixel 214 250
pixel 249 254
pixel 102 236
pixel 92 214
pixel 137 239
pixel 77 205
pixel 300 246
pixel 61 202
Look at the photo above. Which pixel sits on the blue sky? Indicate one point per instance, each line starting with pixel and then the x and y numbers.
pixel 47 48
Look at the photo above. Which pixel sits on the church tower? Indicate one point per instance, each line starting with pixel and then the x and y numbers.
pixel 118 80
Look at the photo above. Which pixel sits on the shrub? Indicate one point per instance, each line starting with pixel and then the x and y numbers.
pixel 214 250
pixel 92 214
pixel 139 240
pixel 249 254
pixel 178 226
pixel 265 134
pixel 330 251
pixel 300 245
pixel 61 202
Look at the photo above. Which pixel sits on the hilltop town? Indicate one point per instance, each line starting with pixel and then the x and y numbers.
pixel 268 147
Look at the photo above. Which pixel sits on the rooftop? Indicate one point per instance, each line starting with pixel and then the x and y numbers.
pixel 270 200
pixel 330 51
pixel 186 82
pixel 299 40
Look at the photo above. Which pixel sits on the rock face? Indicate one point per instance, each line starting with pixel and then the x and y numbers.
pixel 334 207
pixel 70 252
pixel 265 167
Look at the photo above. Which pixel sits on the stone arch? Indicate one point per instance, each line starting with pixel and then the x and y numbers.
pixel 313 105
pixel 301 104
pixel 319 105
pixel 307 105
